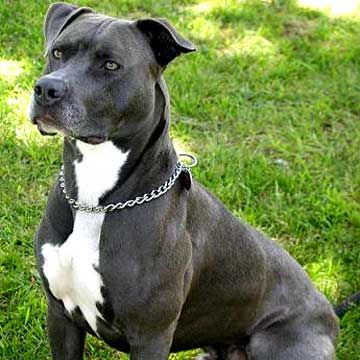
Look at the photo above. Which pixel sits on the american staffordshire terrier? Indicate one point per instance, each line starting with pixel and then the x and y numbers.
pixel 130 248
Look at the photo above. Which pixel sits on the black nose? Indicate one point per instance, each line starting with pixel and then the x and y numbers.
pixel 49 90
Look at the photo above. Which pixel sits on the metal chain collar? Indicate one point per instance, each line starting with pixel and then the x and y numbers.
pixel 154 194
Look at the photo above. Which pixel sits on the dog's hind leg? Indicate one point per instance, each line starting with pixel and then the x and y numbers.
pixel 290 345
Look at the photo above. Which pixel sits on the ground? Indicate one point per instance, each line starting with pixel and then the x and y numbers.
pixel 270 105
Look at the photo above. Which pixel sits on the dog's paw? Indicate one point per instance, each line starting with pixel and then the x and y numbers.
pixel 203 356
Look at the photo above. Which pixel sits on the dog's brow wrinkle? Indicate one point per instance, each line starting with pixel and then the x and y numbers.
pixel 106 54
pixel 101 27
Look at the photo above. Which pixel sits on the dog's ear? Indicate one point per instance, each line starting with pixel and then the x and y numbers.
pixel 58 16
pixel 165 41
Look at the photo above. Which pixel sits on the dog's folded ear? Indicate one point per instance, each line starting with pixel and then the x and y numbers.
pixel 58 16
pixel 165 41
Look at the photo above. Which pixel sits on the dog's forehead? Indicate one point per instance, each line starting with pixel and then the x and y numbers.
pixel 99 32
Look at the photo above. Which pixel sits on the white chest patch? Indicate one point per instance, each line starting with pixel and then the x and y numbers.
pixel 71 268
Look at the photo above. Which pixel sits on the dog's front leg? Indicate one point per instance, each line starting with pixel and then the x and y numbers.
pixel 152 346
pixel 66 339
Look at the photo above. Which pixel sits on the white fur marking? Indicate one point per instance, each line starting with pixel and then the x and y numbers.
pixel 69 268
pixel 202 356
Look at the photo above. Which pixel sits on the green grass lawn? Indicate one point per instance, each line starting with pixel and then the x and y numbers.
pixel 270 104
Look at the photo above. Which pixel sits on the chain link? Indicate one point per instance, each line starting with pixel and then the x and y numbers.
pixel 154 194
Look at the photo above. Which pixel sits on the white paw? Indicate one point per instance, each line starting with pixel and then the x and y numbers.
pixel 202 356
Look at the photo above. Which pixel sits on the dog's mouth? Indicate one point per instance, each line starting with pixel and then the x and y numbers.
pixel 47 126
pixel 92 140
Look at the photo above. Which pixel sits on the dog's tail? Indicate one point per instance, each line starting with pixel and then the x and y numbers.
pixel 342 308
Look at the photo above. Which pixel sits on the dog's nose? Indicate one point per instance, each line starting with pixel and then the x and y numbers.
pixel 49 90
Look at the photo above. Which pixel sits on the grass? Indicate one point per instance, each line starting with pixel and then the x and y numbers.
pixel 270 104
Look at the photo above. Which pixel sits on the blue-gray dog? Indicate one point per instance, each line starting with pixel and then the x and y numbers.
pixel 131 249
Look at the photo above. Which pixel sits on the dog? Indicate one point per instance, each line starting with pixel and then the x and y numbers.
pixel 131 249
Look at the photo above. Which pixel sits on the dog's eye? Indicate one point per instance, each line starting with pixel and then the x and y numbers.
pixel 57 54
pixel 111 65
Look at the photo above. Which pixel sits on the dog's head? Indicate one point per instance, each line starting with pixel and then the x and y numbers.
pixel 101 73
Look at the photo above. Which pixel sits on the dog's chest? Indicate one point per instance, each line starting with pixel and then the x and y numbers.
pixel 71 268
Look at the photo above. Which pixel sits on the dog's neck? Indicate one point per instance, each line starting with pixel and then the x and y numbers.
pixel 121 169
